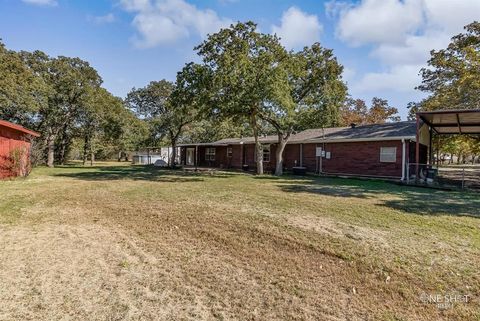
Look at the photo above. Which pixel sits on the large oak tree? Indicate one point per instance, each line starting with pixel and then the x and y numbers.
pixel 248 76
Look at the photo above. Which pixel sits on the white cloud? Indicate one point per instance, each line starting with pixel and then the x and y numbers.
pixel 414 50
pixel 450 16
pixel 298 28
pixel 402 78
pixel 165 21
pixel 334 8
pixel 379 21
pixel 401 33
pixel 41 2
pixel 108 18
pixel 348 74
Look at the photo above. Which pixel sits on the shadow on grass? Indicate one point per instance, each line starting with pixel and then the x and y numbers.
pixel 146 173
pixel 422 201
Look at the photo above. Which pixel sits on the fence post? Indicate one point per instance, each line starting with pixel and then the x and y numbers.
pixel 463 178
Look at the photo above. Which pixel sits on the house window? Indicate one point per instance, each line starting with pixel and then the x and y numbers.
pixel 229 152
pixel 266 153
pixel 210 153
pixel 388 154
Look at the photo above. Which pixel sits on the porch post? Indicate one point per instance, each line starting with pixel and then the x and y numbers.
pixel 417 149
pixel 438 150
pixel 242 155
pixel 404 151
pixel 430 148
pixel 196 158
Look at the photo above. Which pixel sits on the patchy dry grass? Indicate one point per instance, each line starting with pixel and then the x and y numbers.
pixel 137 243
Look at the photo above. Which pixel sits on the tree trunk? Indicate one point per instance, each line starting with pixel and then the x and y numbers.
pixel 282 142
pixel 64 142
pixel 50 150
pixel 85 149
pixel 174 153
pixel 92 150
pixel 258 146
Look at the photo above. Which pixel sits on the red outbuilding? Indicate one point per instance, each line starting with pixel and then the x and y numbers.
pixel 15 146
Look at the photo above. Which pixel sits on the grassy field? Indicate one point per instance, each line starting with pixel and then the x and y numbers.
pixel 135 243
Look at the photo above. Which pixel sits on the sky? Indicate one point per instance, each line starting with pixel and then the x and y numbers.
pixel 382 44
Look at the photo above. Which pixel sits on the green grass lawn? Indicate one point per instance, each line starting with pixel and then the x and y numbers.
pixel 119 242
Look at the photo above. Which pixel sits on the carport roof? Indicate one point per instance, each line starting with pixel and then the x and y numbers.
pixel 465 121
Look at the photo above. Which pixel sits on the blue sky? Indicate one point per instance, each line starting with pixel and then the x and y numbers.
pixel 381 43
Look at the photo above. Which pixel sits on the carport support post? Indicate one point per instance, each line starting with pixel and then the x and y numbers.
pixel 417 149
pixel 430 148
pixel 196 158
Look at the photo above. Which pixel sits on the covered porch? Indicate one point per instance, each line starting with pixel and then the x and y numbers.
pixel 204 155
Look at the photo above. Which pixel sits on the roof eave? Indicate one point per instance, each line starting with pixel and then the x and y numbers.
pixel 19 128
pixel 202 144
pixel 353 140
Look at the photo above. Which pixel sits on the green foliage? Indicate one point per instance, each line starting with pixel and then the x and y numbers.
pixel 212 129
pixel 22 92
pixel 380 112
pixel 107 127
pixel 356 111
pixel 168 107
pixel 453 81
pixel 453 75
pixel 317 88
pixel 466 148
pixel 247 71
pixel 413 109
pixel 248 76
pixel 61 97
pixel 254 79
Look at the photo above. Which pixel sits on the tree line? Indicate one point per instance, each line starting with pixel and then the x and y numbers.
pixel 62 98
pixel 246 83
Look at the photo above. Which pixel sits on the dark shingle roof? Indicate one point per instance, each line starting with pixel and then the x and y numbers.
pixel 387 130
pixel 380 131
pixel 314 133
pixel 301 136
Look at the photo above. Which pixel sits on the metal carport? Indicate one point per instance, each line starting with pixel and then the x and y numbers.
pixel 446 122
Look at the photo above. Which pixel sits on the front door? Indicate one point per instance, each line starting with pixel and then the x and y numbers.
pixel 190 161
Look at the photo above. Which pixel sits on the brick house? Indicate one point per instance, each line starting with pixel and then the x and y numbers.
pixel 380 150
pixel 15 144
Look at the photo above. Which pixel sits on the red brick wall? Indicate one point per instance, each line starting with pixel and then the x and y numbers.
pixel 355 158
pixel 236 161
pixel 423 153
pixel 291 156
pixel 309 159
pixel 12 141
pixel 221 159
pixel 250 158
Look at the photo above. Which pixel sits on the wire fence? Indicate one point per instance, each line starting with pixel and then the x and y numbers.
pixel 451 176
